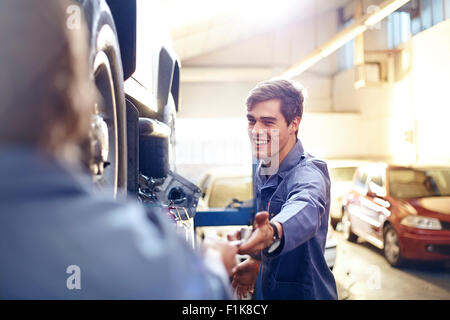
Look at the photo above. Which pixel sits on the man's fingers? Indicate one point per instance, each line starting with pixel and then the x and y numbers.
pixel 261 218
pixel 241 292
pixel 260 237
pixel 240 269
pixel 236 271
pixel 237 282
pixel 251 246
pixel 234 248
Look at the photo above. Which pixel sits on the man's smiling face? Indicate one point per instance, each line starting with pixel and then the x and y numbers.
pixel 269 133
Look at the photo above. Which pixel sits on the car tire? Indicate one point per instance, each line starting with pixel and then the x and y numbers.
pixel 349 235
pixel 391 247
pixel 107 72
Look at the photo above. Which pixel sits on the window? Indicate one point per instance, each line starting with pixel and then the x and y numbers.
pixel 426 14
pixel 416 25
pixel 399 28
pixel 438 11
pixel 376 185
pixel 422 14
pixel 441 179
pixel 377 180
pixel 447 9
pixel 361 178
pixel 342 173
pixel 417 183
pixel 225 189
pixel 346 53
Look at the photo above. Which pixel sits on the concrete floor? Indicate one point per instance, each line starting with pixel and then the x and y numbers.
pixel 361 272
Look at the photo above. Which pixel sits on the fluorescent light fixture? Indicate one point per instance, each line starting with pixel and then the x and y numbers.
pixel 325 50
pixel 303 66
pixel 342 40
pixel 346 35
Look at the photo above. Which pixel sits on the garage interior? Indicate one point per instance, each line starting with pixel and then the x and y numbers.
pixel 379 95
pixel 375 75
pixel 132 168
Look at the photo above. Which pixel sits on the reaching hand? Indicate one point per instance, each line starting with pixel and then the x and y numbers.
pixel 244 276
pixel 262 236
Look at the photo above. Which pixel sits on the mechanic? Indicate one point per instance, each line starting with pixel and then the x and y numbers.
pixel 59 238
pixel 293 200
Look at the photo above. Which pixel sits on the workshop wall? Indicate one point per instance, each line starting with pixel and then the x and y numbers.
pixel 215 85
pixel 406 118
pixel 428 96
pixel 260 57
pixel 395 119
pixel 413 105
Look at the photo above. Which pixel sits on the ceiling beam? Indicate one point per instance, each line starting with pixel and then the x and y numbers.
pixel 346 35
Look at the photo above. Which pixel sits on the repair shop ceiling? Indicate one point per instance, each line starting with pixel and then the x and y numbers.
pixel 202 26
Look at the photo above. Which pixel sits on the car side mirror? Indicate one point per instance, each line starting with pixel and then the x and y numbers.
pixel 375 191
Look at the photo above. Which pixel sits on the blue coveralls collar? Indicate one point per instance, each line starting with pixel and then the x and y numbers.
pixel 290 161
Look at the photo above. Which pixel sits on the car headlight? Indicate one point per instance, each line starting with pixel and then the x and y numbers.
pixel 420 222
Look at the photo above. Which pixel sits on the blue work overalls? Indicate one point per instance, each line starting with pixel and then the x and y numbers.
pixel 297 196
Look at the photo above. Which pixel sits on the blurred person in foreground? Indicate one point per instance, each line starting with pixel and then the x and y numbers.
pixel 293 202
pixel 52 222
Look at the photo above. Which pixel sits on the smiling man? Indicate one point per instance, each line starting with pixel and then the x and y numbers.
pixel 293 201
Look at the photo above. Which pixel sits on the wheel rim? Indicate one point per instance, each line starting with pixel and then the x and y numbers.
pixel 104 148
pixel 391 246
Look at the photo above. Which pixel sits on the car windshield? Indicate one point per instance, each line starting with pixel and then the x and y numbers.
pixel 418 183
pixel 225 189
pixel 342 174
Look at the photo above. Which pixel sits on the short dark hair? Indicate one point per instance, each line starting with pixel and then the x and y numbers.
pixel 288 92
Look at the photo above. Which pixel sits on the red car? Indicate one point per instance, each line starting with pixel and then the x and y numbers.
pixel 405 211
